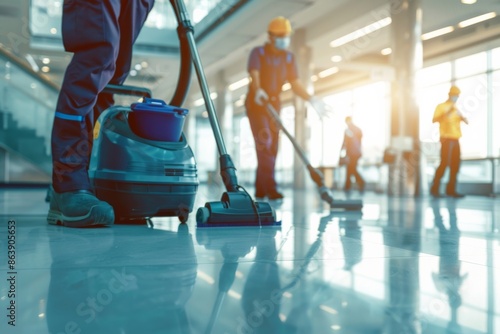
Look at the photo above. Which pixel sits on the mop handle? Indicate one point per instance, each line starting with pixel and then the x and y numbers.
pixel 298 149
pixel 183 18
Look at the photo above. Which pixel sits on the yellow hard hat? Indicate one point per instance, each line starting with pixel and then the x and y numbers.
pixel 454 90
pixel 279 26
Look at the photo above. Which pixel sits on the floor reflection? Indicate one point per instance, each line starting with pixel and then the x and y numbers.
pixel 402 265
pixel 448 279
pixel 101 283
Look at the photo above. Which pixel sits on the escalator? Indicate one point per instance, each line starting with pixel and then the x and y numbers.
pixel 27 104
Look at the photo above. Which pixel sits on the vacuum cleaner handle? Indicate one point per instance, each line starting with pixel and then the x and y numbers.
pixel 227 169
pixel 183 17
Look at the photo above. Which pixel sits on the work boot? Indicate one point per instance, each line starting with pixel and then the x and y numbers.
pixel 435 192
pixel 275 195
pixel 79 209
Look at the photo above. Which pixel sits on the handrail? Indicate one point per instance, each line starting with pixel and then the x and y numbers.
pixel 11 57
pixel 481 159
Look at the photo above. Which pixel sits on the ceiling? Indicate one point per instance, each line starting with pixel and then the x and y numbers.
pixel 225 49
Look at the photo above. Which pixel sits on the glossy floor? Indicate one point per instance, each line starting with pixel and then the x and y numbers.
pixel 402 266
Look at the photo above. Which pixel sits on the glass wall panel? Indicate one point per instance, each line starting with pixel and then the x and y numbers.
pixel 286 151
pixel 434 74
pixel 371 113
pixel 334 127
pixel 470 65
pixel 495 58
pixel 495 119
pixel 474 142
pixel 248 157
pixel 159 29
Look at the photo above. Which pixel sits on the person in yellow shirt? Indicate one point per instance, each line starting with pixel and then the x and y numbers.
pixel 449 119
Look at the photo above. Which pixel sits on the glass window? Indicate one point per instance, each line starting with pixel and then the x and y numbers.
pixel 434 74
pixel 495 113
pixel 371 113
pixel 333 127
pixel 206 148
pixel 495 58
pixel 474 105
pixel 159 29
pixel 332 130
pixel 284 160
pixel 247 155
pixel 470 65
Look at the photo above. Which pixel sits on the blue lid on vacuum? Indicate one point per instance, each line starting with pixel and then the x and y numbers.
pixel 154 119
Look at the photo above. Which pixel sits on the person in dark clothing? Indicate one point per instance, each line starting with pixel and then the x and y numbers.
pixel 270 66
pixel 101 35
pixel 352 146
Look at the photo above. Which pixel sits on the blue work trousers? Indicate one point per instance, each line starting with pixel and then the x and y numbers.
pixel 100 33
pixel 266 136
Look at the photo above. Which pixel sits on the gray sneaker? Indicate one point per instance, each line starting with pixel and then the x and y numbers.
pixel 79 209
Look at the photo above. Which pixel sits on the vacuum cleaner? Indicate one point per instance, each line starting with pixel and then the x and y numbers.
pixel 316 175
pixel 143 174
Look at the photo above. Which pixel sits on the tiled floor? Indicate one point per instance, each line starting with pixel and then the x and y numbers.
pixel 402 266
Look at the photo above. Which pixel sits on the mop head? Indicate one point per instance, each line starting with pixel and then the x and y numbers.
pixel 236 209
pixel 335 204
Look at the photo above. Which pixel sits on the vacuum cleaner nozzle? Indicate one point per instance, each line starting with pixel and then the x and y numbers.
pixel 236 209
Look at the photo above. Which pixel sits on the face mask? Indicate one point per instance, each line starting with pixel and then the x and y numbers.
pixel 282 43
pixel 454 99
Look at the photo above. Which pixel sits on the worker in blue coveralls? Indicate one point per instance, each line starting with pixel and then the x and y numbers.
pixel 100 34
pixel 270 66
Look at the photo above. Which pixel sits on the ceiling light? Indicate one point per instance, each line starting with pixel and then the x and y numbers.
pixel 361 32
pixel 469 2
pixel 386 51
pixel 328 72
pixel 239 84
pixel 53 31
pixel 286 87
pixel 45 69
pixel 437 33
pixel 477 19
pixel 46 60
pixel 336 59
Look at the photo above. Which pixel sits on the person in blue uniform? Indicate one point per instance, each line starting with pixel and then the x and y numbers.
pixel 271 66
pixel 100 34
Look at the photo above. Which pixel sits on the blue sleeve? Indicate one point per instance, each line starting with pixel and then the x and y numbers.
pixel 254 60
